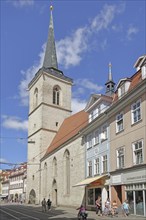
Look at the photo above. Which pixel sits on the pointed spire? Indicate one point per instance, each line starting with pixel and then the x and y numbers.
pixel 50 59
pixel 110 83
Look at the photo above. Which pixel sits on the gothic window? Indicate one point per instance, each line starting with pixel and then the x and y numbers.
pixel 54 167
pixel 35 98
pixel 56 95
pixel 45 180
pixel 67 172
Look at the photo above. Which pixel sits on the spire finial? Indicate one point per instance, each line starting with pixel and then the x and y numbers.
pixel 51 7
pixel 110 71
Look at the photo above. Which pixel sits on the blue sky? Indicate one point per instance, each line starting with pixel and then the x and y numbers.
pixel 89 34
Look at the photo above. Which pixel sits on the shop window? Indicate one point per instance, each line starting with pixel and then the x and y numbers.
pixel 130 199
pixel 90 197
pixel 139 202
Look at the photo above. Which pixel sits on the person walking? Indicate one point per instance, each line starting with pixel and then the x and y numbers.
pixel 107 207
pixel 126 208
pixel 114 208
pixel 44 205
pixel 49 204
pixel 98 206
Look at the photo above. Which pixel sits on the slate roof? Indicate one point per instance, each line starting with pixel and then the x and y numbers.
pixel 69 129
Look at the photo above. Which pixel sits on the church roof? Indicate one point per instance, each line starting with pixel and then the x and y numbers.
pixel 50 59
pixel 69 129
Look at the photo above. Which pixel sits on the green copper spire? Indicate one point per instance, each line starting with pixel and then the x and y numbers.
pixel 50 59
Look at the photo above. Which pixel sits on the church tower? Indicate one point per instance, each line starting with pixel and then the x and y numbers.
pixel 110 85
pixel 49 105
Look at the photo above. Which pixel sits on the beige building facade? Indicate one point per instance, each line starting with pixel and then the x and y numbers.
pixel 127 118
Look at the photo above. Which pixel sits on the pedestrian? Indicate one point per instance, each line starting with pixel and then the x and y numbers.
pixel 114 208
pixel 44 205
pixel 49 204
pixel 107 207
pixel 98 206
pixel 125 208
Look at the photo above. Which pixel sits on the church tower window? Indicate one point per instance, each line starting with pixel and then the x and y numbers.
pixel 35 98
pixel 56 95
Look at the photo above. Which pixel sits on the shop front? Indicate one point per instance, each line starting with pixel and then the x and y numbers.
pixel 130 185
pixel 95 187
pixel 135 189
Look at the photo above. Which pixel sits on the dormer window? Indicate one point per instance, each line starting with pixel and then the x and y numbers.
pixel 123 87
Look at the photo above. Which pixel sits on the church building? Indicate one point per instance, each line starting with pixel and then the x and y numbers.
pixel 55 150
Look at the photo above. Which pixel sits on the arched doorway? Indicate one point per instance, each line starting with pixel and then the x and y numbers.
pixel 32 197
pixel 54 193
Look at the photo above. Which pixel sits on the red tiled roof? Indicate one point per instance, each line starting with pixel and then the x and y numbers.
pixel 135 80
pixel 69 128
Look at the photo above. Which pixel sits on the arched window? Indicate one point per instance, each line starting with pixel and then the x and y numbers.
pixel 56 95
pixel 67 172
pixel 54 167
pixel 45 177
pixel 35 98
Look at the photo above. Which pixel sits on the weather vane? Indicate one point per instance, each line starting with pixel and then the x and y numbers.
pixel 51 5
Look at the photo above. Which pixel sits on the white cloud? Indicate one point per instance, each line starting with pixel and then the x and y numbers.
pixel 88 84
pixel 78 105
pixel 69 49
pixel 28 75
pixel 21 3
pixel 13 122
pixel 2 160
pixel 131 32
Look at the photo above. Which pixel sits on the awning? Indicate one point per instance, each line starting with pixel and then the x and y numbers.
pixel 89 181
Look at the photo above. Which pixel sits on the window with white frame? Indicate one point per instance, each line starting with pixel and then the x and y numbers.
pixel 104 133
pixel 91 116
pixel 96 166
pixel 119 122
pixel 96 137
pixel 104 164
pixel 138 152
pixel 136 111
pixel 89 141
pixel 120 157
pixel 89 168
